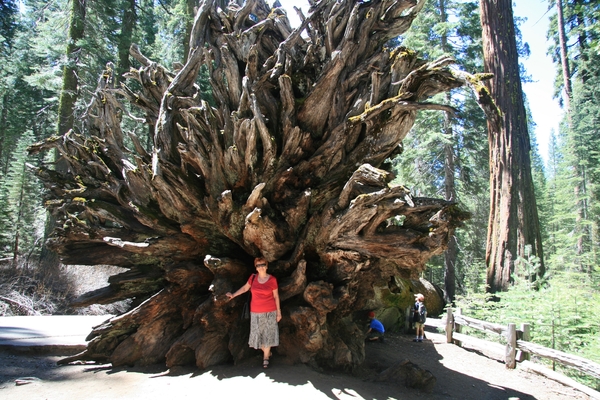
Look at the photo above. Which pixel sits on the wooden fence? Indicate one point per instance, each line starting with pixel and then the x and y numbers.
pixel 518 348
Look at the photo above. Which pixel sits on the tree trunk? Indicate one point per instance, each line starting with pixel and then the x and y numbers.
pixel 582 39
pixel 450 254
pixel 127 26
pixel 69 92
pixel 513 222
pixel 66 111
pixel 564 57
pixel 284 166
pixel 19 220
pixel 3 118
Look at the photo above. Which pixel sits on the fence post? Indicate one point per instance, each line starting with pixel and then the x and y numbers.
pixel 449 324
pixel 511 345
pixel 457 326
pixel 525 336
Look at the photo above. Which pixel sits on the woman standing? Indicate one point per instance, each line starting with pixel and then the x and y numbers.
pixel 265 311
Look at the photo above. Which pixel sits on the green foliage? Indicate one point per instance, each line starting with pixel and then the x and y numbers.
pixel 528 268
pixel 563 313
pixel 573 174
pixel 22 216
pixel 32 55
pixel 170 25
pixel 8 23
pixel 422 164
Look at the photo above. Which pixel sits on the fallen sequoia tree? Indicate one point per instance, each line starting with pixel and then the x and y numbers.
pixel 284 165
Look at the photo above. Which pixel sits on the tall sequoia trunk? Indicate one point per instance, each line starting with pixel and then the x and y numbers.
pixel 513 222
pixel 284 166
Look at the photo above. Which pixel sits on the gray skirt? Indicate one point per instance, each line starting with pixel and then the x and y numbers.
pixel 264 331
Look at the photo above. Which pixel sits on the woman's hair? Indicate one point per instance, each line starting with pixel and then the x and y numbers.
pixel 260 260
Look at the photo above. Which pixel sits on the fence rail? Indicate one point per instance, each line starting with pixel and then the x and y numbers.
pixel 518 348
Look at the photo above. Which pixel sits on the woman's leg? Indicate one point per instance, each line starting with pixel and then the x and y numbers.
pixel 266 356
pixel 266 353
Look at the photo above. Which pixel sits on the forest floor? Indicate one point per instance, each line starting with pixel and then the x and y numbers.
pixel 460 374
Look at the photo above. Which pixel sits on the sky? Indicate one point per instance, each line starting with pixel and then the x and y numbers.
pixel 545 111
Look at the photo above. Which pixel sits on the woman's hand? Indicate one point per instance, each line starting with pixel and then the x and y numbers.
pixel 276 297
pixel 229 295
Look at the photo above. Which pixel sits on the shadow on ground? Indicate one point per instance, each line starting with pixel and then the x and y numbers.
pixel 280 381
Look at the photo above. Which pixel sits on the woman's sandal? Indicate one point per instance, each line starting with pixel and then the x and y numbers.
pixel 265 363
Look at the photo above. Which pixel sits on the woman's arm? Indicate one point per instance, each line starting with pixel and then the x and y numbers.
pixel 241 290
pixel 276 296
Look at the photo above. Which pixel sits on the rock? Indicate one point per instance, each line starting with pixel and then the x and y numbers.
pixel 26 380
pixel 410 374
pixel 391 318
pixel 392 300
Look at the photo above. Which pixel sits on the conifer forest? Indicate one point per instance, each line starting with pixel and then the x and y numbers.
pixel 366 149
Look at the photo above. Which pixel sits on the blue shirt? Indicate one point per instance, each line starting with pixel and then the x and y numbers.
pixel 376 326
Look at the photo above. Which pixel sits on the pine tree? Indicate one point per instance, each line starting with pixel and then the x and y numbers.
pixel 22 218
pixel 128 24
pixel 579 141
pixel 8 30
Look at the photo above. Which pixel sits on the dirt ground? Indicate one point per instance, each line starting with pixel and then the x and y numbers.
pixel 460 374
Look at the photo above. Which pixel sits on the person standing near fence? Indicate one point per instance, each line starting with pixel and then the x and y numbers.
pixel 419 316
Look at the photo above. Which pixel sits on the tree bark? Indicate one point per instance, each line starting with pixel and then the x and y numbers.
pixel 128 21
pixel 450 254
pixel 564 57
pixel 284 166
pixel 66 117
pixel 70 90
pixel 513 222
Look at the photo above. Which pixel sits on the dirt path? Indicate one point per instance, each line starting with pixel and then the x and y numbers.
pixel 460 374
